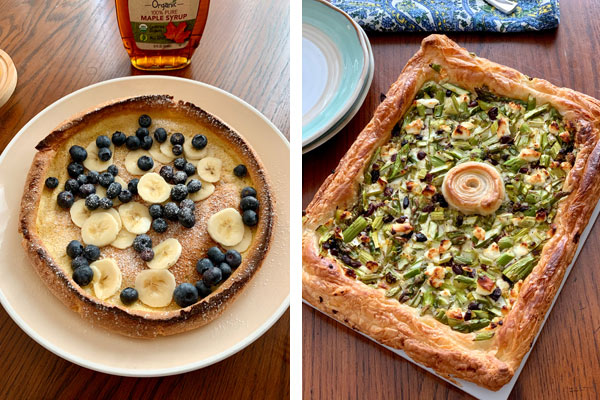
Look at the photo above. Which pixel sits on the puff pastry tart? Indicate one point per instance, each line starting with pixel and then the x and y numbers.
pixel 146 216
pixel 448 225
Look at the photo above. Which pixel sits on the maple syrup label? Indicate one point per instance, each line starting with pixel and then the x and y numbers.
pixel 162 24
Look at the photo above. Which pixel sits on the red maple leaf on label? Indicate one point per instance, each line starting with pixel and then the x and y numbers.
pixel 178 34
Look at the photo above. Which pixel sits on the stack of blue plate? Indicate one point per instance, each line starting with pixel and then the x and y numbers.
pixel 337 71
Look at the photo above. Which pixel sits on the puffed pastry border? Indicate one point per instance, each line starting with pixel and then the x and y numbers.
pixel 451 354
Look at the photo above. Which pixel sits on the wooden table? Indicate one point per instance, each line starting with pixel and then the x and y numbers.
pixel 565 363
pixel 59 47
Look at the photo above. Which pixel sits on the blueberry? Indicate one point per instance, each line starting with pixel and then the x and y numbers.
pixel 250 218
pixel 160 135
pixel 78 153
pixel 147 254
pixel 92 202
pixel 79 262
pixel 74 248
pixel 189 169
pixel 125 196
pixel 179 192
pixel 82 179
pixel 65 199
pixel 145 163
pixel 119 138
pixel 132 143
pixel 177 150
pixel 199 142
pixel 147 142
pixel 202 289
pixel 194 185
pixel 240 171
pixel 233 258
pixel 91 252
pixel 114 189
pixel 75 169
pixel 93 177
pixel 177 139
pixel 171 211
pixel 225 270
pixel 83 276
pixel 166 171
pixel 106 178
pixel 51 182
pixel 179 163
pixel 249 203
pixel 86 190
pixel 106 203
pixel 145 120
pixel 113 170
pixel 248 191
pixel 179 177
pixel 215 255
pixel 419 237
pixel 159 225
pixel 132 185
pixel 142 132
pixel 185 295
pixel 71 185
pixel 156 211
pixel 142 242
pixel 188 203
pixel 212 276
pixel 104 154
pixel 102 141
pixel 186 217
pixel 203 265
pixel 128 295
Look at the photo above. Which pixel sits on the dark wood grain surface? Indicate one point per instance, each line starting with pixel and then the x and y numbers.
pixel 565 363
pixel 61 46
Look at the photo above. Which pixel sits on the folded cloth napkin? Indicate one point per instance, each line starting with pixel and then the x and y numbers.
pixel 450 15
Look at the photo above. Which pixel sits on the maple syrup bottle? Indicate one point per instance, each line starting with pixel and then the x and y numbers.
pixel 161 34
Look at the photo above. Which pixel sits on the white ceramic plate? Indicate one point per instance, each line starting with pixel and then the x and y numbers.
pixel 316 142
pixel 62 331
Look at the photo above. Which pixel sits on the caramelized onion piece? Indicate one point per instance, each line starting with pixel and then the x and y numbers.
pixel 474 188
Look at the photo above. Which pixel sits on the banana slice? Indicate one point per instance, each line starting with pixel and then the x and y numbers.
pixel 120 180
pixel 192 153
pixel 131 160
pixel 101 192
pixel 92 162
pixel 153 188
pixel 135 217
pixel 158 155
pixel 209 169
pixel 99 229
pixel 125 239
pixel 167 149
pixel 115 214
pixel 244 244
pixel 166 254
pixel 79 212
pixel 107 278
pixel 226 227
pixel 206 190
pixel 155 287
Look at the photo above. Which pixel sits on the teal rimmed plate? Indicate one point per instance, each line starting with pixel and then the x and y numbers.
pixel 336 62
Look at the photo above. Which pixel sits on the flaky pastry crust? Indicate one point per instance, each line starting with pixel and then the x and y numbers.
pixel 144 323
pixel 490 363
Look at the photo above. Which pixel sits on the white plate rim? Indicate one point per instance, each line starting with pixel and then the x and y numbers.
pixel 253 336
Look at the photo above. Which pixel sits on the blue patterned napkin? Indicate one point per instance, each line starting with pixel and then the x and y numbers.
pixel 450 15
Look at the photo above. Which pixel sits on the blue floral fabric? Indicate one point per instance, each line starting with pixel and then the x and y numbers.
pixel 450 15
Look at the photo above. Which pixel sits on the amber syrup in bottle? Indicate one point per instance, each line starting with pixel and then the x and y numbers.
pixel 161 34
